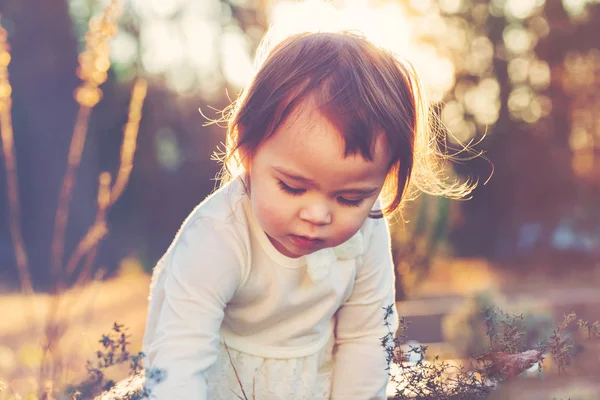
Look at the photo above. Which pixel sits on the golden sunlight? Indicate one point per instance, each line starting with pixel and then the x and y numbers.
pixel 388 24
pixel 188 44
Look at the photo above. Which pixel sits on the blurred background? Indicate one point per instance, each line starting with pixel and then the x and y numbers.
pixel 524 73
pixel 520 79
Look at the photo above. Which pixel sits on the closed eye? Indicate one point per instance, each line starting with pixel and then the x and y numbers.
pixel 351 203
pixel 298 191
pixel 288 189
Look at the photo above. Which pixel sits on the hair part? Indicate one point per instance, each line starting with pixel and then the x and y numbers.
pixel 365 91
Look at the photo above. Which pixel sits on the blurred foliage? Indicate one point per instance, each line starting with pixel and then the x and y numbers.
pixel 469 331
pixel 418 240
pixel 524 74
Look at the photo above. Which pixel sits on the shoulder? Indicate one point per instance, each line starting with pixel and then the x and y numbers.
pixel 374 228
pixel 215 232
pixel 222 205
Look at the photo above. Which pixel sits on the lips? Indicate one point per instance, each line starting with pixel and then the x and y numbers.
pixel 306 243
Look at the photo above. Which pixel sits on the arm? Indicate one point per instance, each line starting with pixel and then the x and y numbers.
pixel 360 369
pixel 202 274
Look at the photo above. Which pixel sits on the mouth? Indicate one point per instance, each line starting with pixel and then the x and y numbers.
pixel 307 243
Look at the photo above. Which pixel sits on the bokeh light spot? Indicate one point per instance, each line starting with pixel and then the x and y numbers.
pixel 518 39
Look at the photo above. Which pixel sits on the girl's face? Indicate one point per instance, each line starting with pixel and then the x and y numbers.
pixel 304 193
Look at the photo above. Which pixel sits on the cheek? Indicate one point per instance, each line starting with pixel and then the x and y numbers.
pixel 270 209
pixel 348 225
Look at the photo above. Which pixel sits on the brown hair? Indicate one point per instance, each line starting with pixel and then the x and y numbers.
pixel 365 91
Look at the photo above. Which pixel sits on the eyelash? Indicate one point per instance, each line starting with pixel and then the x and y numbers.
pixel 289 190
pixel 296 192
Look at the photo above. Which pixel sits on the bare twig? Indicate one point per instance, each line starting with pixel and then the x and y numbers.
pixel 94 64
pixel 236 373
pixel 62 210
pixel 138 95
pixel 107 196
pixel 98 229
pixel 6 131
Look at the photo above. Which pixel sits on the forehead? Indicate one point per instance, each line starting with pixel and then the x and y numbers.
pixel 308 142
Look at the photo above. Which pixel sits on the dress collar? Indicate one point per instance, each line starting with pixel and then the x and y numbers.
pixel 320 263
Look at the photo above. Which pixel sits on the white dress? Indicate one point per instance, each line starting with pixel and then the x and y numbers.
pixel 303 378
pixel 307 328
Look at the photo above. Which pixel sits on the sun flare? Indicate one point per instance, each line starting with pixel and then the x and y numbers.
pixel 389 25
pixel 193 50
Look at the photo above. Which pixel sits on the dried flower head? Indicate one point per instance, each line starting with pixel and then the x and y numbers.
pixel 5 88
pixel 94 62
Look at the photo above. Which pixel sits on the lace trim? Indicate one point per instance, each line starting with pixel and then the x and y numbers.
pixel 300 378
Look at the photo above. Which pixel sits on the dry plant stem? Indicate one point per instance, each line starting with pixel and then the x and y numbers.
pixel 8 150
pixel 236 373
pixel 106 196
pixel 13 202
pixel 94 63
pixel 51 337
pixel 128 146
pixel 89 244
pixel 56 313
pixel 98 229
pixel 62 211
pixel 59 313
pixel 85 275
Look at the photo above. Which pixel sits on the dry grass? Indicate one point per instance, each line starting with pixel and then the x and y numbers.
pixel 92 309
pixel 49 337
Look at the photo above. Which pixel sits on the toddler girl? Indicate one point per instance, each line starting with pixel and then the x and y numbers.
pixel 277 285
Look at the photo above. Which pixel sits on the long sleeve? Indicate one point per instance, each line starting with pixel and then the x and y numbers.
pixel 201 273
pixel 360 367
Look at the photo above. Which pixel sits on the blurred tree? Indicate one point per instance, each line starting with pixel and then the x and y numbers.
pixel 173 169
pixel 43 76
pixel 515 53
pixel 525 74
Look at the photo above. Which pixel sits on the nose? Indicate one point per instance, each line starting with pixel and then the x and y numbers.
pixel 317 214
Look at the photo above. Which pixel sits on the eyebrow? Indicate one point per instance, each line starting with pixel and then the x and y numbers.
pixel 365 192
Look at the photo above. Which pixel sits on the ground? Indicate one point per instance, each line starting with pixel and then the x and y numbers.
pixel 90 311
pixel 86 314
